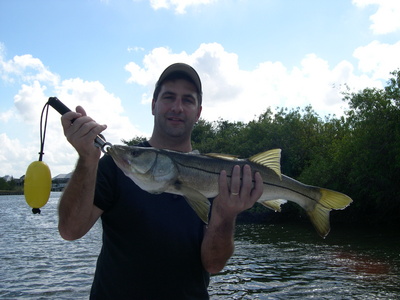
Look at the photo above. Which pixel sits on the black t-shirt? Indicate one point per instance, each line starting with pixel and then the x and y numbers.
pixel 151 243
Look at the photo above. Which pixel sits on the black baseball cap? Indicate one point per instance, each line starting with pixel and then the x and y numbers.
pixel 183 69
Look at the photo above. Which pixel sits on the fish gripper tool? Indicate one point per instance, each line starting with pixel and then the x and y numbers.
pixel 99 141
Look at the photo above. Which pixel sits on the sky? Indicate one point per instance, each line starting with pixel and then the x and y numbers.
pixel 106 55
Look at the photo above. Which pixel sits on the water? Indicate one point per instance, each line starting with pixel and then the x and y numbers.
pixel 270 262
pixel 292 262
pixel 36 263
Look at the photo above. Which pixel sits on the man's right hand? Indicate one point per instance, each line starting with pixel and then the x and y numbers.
pixel 81 131
pixel 77 213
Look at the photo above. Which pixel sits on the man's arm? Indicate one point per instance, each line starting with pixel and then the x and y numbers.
pixel 76 210
pixel 218 242
pixel 77 213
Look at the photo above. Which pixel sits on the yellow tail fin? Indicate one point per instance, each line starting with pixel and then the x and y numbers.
pixel 320 215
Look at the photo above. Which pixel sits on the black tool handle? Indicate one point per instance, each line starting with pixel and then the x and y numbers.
pixel 58 105
pixel 54 102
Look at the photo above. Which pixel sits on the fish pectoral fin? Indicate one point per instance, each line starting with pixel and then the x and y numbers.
pixel 270 159
pixel 274 204
pixel 197 201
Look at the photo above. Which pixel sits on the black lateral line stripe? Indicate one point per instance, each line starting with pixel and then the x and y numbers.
pixel 264 182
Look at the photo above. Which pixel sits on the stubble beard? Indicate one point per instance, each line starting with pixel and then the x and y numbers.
pixel 169 130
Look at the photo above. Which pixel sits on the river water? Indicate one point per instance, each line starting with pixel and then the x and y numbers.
pixel 286 261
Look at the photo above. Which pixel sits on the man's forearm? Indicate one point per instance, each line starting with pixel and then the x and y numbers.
pixel 218 244
pixel 241 194
pixel 77 213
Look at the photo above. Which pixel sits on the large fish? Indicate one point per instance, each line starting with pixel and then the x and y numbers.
pixel 195 177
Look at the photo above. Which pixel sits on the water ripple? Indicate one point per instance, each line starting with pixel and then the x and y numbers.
pixel 270 261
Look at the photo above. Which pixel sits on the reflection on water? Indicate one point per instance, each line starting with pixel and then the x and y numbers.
pixel 270 262
pixel 292 262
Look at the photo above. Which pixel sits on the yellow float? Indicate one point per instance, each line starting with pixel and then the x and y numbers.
pixel 37 185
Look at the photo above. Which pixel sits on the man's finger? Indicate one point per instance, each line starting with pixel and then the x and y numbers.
pixel 79 109
pixel 235 181
pixel 258 187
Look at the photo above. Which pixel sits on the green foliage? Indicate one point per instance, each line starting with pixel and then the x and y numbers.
pixel 363 156
pixel 7 185
pixel 374 149
pixel 357 154
pixel 136 140
pixel 3 184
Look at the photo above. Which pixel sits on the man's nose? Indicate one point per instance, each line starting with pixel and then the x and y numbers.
pixel 177 105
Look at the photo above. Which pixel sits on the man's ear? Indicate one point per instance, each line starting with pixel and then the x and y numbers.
pixel 199 113
pixel 153 106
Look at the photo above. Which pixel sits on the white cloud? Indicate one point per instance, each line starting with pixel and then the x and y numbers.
pixel 27 69
pixel 387 17
pixel 179 5
pixel 230 92
pixel 101 105
pixel 153 64
pixel 135 49
pixel 378 59
pixel 217 67
pixel 14 156
pixel 235 94
pixel 37 84
pixel 29 101
pixel 6 116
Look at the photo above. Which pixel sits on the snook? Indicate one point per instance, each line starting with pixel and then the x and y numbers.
pixel 195 177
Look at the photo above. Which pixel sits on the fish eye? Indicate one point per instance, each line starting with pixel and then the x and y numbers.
pixel 134 153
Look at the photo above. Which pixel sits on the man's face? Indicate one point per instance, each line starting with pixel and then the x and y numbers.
pixel 176 109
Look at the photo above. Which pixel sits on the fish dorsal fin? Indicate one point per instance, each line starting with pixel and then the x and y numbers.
pixel 270 159
pixel 222 156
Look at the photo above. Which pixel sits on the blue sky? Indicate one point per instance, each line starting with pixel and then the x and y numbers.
pixel 250 54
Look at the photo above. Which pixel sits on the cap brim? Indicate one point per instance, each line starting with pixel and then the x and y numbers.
pixel 182 68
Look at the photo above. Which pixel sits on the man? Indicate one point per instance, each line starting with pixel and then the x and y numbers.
pixel 154 246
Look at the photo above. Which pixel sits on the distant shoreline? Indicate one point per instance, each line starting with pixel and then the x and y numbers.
pixel 7 193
